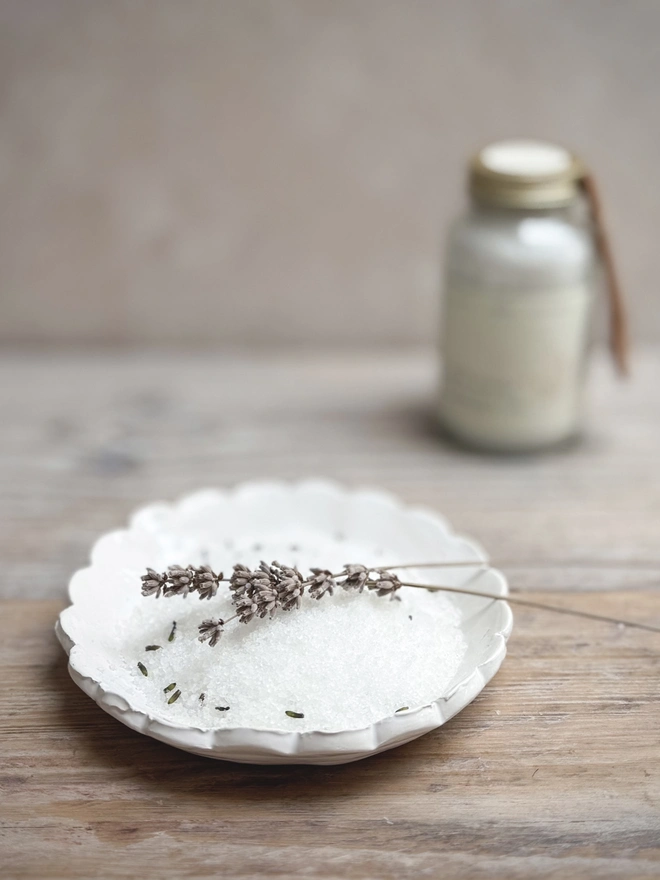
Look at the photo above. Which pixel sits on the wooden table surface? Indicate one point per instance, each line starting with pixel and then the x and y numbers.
pixel 553 771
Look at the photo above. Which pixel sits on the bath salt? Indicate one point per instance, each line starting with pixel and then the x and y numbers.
pixel 521 277
pixel 340 663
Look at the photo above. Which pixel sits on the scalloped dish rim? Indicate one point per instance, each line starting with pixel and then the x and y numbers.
pixel 277 746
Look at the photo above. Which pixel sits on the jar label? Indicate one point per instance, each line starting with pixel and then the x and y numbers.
pixel 513 362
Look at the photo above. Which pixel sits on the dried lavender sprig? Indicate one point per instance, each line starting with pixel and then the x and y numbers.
pixel 180 581
pixel 271 587
pixel 262 592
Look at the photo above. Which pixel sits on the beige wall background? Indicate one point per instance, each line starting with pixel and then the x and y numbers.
pixel 254 172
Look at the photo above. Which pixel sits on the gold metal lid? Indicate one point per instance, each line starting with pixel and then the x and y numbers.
pixel 525 174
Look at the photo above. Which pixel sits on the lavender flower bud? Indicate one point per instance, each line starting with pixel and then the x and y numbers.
pixel 386 584
pixel 356 577
pixel 180 581
pixel 321 583
pixel 206 582
pixel 211 631
pixel 246 609
pixel 239 580
pixel 153 583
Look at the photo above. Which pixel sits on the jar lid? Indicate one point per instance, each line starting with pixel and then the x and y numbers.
pixel 525 174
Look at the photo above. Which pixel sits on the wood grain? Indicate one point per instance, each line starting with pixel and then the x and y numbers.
pixel 552 772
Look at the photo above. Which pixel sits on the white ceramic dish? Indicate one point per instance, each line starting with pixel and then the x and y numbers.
pixel 327 525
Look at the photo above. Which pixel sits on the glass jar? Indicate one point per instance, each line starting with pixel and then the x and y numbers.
pixel 520 278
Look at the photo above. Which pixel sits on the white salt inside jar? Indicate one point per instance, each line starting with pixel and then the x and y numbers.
pixel 519 290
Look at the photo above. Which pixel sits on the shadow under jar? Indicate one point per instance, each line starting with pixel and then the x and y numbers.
pixel 520 283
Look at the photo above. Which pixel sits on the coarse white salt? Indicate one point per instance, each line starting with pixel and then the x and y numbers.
pixel 342 663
